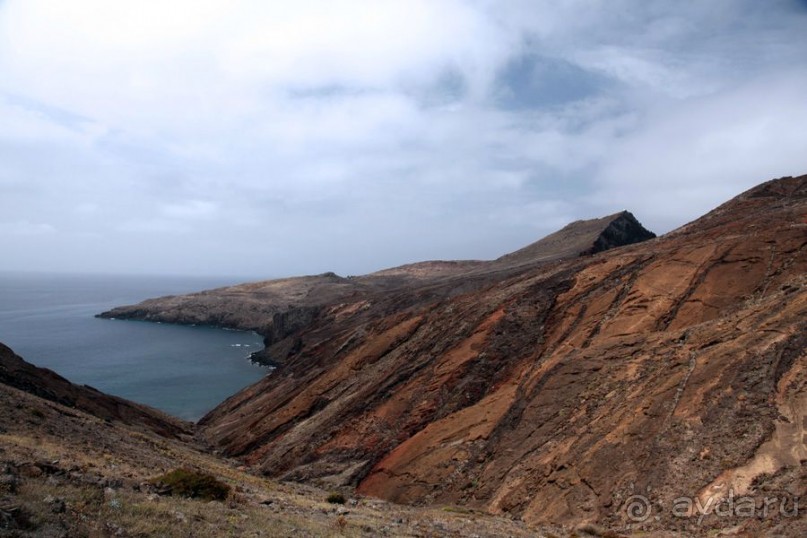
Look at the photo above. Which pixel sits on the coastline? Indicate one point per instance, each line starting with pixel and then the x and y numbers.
pixel 185 371
pixel 258 357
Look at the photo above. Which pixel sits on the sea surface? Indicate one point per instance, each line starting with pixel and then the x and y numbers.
pixel 49 321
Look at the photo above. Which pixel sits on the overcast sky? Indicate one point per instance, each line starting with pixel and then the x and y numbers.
pixel 269 138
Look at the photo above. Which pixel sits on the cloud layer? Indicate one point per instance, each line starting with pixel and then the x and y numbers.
pixel 270 138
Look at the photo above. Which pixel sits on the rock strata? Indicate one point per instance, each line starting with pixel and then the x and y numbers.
pixel 557 391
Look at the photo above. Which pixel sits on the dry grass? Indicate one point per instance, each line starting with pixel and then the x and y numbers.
pixel 102 474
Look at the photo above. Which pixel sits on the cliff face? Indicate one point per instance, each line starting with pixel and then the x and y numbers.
pixel 555 390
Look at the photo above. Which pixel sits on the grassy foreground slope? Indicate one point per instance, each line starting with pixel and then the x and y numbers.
pixel 69 474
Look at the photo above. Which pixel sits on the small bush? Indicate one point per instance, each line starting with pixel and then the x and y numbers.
pixel 336 498
pixel 341 524
pixel 193 484
pixel 457 509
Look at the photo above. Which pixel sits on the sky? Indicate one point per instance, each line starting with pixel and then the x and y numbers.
pixel 270 138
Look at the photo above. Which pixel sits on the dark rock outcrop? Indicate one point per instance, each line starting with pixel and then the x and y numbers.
pixel 279 341
pixel 623 230
pixel 581 238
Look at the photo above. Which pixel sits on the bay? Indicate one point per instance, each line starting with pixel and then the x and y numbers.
pixel 49 320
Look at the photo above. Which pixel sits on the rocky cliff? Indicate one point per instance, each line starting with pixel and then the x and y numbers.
pixel 556 389
pixel 279 309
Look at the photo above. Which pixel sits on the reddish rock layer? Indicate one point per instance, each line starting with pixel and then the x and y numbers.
pixel 555 392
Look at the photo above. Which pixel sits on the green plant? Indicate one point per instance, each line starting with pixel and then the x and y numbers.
pixel 192 484
pixel 336 498
pixel 456 509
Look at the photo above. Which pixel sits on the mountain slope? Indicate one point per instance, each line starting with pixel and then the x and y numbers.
pixel 554 393
pixel 66 472
pixel 582 237
pixel 277 309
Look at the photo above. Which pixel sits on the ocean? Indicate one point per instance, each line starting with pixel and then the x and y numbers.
pixel 49 321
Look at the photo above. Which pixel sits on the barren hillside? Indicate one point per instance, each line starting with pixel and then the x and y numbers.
pixel 71 468
pixel 669 368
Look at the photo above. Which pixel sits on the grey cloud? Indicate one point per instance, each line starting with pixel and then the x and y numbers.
pixel 532 81
pixel 447 129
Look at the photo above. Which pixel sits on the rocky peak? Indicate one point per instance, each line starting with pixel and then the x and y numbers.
pixel 623 229
pixel 582 237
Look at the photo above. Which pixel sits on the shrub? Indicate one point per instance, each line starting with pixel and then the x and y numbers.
pixel 341 524
pixel 193 484
pixel 336 498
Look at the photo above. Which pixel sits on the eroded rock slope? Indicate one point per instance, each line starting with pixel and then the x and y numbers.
pixel 71 469
pixel 554 391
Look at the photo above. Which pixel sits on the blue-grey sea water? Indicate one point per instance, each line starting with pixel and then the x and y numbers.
pixel 49 321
